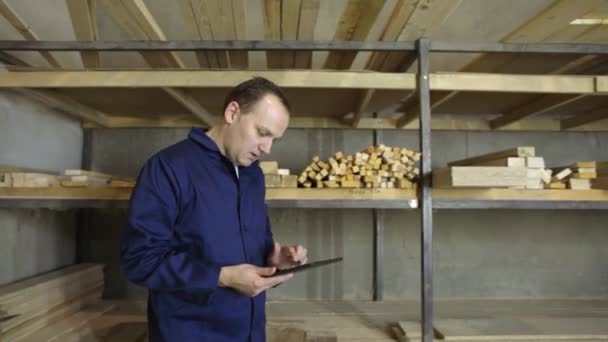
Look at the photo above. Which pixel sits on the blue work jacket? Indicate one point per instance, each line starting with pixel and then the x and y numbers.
pixel 190 215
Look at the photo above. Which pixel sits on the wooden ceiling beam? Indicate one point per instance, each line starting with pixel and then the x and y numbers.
pixel 584 118
pixel 537 106
pixel 82 13
pixel 24 30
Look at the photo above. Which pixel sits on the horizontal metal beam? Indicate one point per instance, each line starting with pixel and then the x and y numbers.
pixel 519 204
pixel 553 48
pixel 295 45
pixel 202 45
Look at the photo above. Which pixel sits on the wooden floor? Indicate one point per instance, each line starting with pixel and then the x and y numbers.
pixel 348 321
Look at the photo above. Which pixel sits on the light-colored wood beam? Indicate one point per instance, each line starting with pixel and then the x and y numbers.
pixel 355 24
pixel 214 79
pixel 21 26
pixel 9 59
pixel 82 13
pixel 272 30
pixel 585 118
pixel 300 121
pixel 537 106
pixel 601 84
pixel 54 99
pixel 306 30
pixel 192 105
pixel 364 101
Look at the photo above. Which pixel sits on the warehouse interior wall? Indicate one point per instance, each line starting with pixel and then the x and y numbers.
pixel 478 254
pixel 37 137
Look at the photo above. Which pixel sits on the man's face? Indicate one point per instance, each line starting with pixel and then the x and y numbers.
pixel 251 134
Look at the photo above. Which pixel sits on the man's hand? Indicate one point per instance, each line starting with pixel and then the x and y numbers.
pixel 284 257
pixel 250 279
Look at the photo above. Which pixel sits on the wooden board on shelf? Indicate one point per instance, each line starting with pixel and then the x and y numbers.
pixel 520 194
pixel 523 151
pixel 480 176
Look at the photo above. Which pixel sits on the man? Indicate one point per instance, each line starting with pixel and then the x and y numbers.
pixel 198 235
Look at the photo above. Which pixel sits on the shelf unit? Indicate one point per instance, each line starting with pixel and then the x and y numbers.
pixel 422 82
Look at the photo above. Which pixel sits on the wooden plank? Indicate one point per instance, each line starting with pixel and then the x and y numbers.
pixel 82 13
pixel 306 29
pixel 59 313
pixel 540 105
pixel 272 30
pixel 584 118
pixel 519 194
pixel 521 151
pixel 579 184
pixel 33 285
pixel 192 105
pixel 197 23
pixel 479 176
pixel 215 79
pixel 364 101
pixel 523 328
pixel 55 331
pixel 238 21
pixel 76 172
pixel 66 104
pixel 290 19
pixel 558 84
pixel 601 84
pixel 508 161
pixel 426 18
pixel 24 30
pixel 355 24
pixel 402 12
pixel 535 162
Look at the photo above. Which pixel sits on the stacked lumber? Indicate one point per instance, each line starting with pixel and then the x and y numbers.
pixel 277 178
pixel 517 167
pixel 578 176
pixel 29 305
pixel 17 177
pixel 375 167
pixel 601 182
pixel 85 178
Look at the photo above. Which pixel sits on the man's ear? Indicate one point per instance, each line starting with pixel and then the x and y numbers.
pixel 232 112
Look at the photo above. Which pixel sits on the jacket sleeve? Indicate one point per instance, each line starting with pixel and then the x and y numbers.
pixel 268 239
pixel 148 257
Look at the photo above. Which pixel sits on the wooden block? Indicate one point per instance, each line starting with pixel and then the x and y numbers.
pixel 272 180
pixel 318 184
pixel 584 175
pixel 350 184
pixel 509 161
pixel 331 184
pixel 315 159
pixel 5 180
pixel 404 184
pixel 338 155
pixel 585 164
pixel 315 167
pixel 269 167
pixel 480 176
pixel 122 183
pixel 289 181
pixel 555 185
pixel 586 170
pixel 579 184
pixel 307 184
pixel 535 162
pixel 545 175
pixel 534 183
pixel 73 172
pixel 534 173
pixel 512 152
pixel 562 174
pixel 600 183
pixel 33 180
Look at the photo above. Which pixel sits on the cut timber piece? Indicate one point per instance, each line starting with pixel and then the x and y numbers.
pixel 12 168
pixel 272 181
pixel 545 175
pixel 6 181
pixel 509 161
pixel 33 180
pixel 122 183
pixel 512 152
pixel 562 174
pixel 556 185
pixel 579 184
pixel 271 167
pixel 535 162
pixel 283 172
pixel 523 328
pixel 96 174
pixel 585 164
pixel 289 181
pixel 534 183
pixel 587 170
pixel 480 176
pixel 600 183
pixel 589 175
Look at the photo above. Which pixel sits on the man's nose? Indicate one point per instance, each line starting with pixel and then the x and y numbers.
pixel 265 147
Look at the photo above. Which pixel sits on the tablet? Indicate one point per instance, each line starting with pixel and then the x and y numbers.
pixel 307 266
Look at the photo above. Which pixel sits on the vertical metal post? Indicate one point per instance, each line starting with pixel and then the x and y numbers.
pixel 378 239
pixel 426 203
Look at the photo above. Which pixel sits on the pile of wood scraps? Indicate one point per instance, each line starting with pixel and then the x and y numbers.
pixel 582 175
pixel 375 167
pixel 30 305
pixel 277 178
pixel 18 177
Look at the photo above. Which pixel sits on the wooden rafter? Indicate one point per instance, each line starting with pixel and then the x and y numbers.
pixel 539 105
pixel 585 118
pixel 82 13
pixel 364 101
pixel 137 20
pixel 21 26
pixel 306 29
pixel 53 99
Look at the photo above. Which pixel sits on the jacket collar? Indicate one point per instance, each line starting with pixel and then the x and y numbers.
pixel 199 136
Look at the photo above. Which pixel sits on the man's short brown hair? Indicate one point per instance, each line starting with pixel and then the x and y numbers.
pixel 248 93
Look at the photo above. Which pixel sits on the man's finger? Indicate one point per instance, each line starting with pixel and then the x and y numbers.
pixel 274 281
pixel 266 271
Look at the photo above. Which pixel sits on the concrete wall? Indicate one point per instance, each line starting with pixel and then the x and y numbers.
pixel 478 253
pixel 34 136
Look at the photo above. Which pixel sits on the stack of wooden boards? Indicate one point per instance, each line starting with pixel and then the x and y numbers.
pixel 582 175
pixel 375 167
pixel 28 306
pixel 517 168
pixel 18 177
pixel 521 328
pixel 277 178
